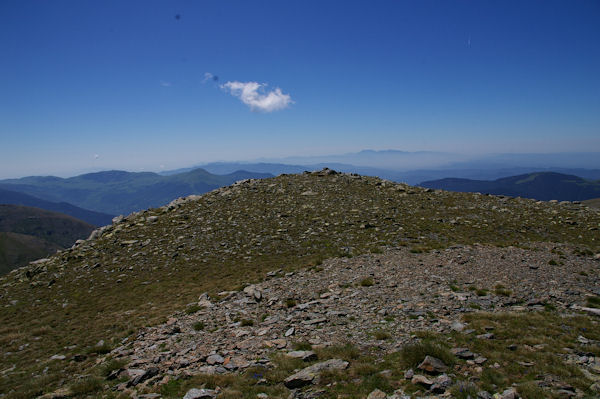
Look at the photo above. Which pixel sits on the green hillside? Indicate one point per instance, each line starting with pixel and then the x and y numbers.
pixel 31 233
pixel 19 249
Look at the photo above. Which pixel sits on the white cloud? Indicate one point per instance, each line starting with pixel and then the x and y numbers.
pixel 209 76
pixel 253 94
pixel 165 84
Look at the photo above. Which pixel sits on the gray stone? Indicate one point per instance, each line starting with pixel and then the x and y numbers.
pixel 304 355
pixel 308 375
pixel 486 336
pixel 510 393
pixel 399 394
pixel 196 393
pixel 463 353
pixel 421 379
pixel 377 394
pixel 480 360
pixel 253 292
pixel 457 326
pixel 441 383
pixel 432 365
pixel 214 359
pixel 139 376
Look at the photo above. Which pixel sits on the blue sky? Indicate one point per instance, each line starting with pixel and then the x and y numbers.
pixel 87 85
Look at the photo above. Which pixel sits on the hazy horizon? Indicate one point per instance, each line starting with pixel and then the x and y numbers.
pixel 385 160
pixel 154 86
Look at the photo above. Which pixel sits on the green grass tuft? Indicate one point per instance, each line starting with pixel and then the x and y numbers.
pixel 367 282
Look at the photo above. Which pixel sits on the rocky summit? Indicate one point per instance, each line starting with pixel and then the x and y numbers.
pixel 314 285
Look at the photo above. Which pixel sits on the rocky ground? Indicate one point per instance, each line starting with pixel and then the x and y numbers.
pixel 377 300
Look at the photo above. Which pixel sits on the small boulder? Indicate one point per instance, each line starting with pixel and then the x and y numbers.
pixel 307 356
pixel 138 375
pixel 421 379
pixel 441 383
pixel 432 365
pixel 215 359
pixel 196 393
pixel 377 394
pixel 463 353
pixel 510 393
pixel 308 374
pixel 253 292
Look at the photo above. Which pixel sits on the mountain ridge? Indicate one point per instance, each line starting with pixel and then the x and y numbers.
pixel 543 186
pixel 121 192
pixel 91 217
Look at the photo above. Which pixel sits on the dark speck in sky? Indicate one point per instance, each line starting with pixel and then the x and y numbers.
pixel 177 17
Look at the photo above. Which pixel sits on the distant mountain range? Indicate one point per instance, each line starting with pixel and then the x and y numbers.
pixel 118 192
pixel 91 217
pixel 542 186
pixel 28 233
pixel 478 171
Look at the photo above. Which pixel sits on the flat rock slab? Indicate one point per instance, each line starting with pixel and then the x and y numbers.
pixel 463 353
pixel 196 393
pixel 308 375
pixel 307 356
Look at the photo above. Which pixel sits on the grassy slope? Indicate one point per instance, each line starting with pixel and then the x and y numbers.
pixel 118 192
pixel 32 233
pixel 594 203
pixel 108 288
pixel 19 249
pixel 54 227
